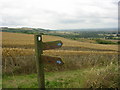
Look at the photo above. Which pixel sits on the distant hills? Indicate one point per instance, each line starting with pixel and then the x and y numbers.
pixel 87 29
pixel 24 30
pixel 90 29
pixel 67 33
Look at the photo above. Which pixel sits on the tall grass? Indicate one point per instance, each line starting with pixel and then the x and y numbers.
pixel 23 61
pixel 96 77
pixel 107 77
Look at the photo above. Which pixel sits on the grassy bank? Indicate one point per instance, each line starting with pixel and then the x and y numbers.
pixel 96 77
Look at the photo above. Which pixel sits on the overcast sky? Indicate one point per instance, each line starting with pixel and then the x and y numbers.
pixel 59 14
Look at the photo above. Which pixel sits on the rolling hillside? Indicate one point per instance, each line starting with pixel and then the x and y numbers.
pixel 86 65
pixel 26 40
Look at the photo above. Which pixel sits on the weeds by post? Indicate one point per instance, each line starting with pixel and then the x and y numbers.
pixel 39 61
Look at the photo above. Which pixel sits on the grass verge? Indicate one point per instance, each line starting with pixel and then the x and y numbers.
pixel 96 77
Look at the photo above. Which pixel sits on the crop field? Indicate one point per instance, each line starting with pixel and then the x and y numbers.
pixel 27 41
pixel 86 64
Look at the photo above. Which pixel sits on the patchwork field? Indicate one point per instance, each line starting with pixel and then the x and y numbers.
pixel 88 60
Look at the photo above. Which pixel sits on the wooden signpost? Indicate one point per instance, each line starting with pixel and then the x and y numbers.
pixel 40 59
pixel 52 60
pixel 52 45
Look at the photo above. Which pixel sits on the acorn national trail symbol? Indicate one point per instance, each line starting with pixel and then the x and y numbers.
pixel 43 59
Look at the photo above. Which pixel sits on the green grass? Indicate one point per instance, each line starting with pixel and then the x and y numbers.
pixel 100 41
pixel 52 80
pixel 85 78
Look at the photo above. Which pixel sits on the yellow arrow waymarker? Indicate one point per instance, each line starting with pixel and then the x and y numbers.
pixel 52 60
pixel 52 45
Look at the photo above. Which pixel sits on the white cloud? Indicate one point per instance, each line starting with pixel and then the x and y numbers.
pixel 59 14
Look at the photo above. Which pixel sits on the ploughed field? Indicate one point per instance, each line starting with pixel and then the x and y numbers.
pixel 18 56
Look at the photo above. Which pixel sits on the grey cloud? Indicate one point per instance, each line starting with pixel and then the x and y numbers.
pixel 8 20
pixel 72 21
pixel 115 2
pixel 22 15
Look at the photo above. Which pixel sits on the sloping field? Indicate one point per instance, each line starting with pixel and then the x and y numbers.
pixel 85 64
pixel 17 40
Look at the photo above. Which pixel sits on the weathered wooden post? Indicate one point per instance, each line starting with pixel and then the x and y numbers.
pixel 39 61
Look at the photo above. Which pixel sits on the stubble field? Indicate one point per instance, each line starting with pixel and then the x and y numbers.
pixel 97 64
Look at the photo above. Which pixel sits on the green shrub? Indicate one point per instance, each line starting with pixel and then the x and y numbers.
pixel 104 42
